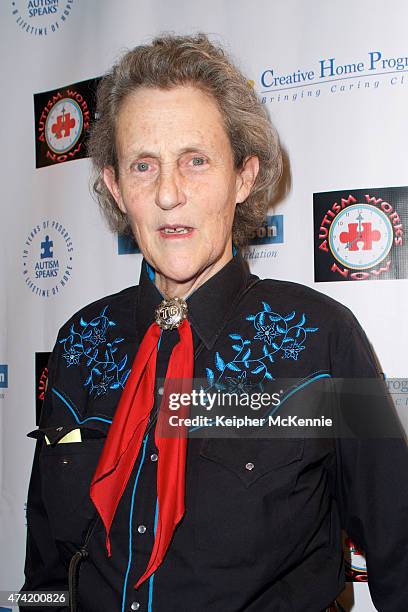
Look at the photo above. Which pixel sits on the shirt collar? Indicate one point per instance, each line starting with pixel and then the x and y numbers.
pixel 208 307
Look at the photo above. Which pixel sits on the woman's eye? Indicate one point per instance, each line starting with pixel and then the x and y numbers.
pixel 198 161
pixel 142 166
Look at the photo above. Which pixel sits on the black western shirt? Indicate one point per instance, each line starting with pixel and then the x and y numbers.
pixel 262 526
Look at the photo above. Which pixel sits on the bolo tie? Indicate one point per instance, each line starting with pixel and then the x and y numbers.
pixel 128 428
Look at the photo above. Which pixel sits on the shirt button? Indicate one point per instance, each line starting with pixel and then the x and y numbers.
pixel 154 457
pixel 249 466
pixel 141 529
pixel 135 605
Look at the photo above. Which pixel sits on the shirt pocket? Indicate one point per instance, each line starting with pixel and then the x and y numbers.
pixel 242 506
pixel 66 470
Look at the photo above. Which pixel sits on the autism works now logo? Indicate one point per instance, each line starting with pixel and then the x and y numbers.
pixel 355 563
pixel 41 381
pixel 359 234
pixel 63 117
pixel 47 258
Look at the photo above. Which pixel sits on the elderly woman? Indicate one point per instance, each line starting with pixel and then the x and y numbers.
pixel 130 519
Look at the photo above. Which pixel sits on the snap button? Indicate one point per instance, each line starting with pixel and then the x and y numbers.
pixel 160 390
pixel 249 466
pixel 154 457
pixel 135 605
pixel 141 529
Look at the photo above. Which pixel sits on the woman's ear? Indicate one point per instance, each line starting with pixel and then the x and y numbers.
pixel 246 177
pixel 109 178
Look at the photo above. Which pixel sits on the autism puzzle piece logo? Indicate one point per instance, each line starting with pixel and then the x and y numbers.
pixel 46 247
pixel 63 124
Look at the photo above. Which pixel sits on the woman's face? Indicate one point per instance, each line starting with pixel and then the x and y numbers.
pixel 177 183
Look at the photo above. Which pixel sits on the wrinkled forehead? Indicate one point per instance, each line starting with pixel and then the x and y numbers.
pixel 170 119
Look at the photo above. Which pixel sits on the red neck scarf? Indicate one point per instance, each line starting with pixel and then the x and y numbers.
pixel 126 435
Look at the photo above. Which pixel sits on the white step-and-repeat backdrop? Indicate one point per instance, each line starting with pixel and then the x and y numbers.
pixel 334 77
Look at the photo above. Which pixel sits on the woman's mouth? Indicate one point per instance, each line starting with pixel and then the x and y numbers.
pixel 176 231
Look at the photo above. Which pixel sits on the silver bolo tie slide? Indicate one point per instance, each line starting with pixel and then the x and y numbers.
pixel 171 313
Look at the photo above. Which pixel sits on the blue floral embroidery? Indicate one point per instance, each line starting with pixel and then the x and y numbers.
pixel 106 371
pixel 249 368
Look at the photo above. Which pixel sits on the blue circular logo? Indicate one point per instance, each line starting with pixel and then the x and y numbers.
pixel 41 17
pixel 47 258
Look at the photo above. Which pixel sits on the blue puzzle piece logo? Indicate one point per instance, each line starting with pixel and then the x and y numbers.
pixel 46 246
